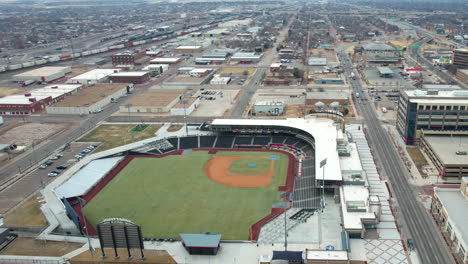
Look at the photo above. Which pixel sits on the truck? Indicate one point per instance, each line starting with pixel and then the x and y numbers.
pixel 352 76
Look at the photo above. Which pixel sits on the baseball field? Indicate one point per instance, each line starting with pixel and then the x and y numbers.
pixel 196 192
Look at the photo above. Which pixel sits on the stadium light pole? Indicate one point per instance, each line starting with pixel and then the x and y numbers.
pixel 322 164
pixel 85 225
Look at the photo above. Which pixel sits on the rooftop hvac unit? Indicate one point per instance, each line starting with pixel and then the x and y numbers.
pixel 27 94
pixel 32 100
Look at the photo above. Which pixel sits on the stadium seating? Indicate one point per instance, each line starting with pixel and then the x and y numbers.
pixel 224 142
pixel 243 140
pixel 188 142
pixel 207 141
pixel 278 139
pixel 290 141
pixel 261 140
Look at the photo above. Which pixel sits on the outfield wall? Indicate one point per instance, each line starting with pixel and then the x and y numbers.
pixel 254 230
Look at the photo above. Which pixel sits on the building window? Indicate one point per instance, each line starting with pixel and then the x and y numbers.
pixel 421 107
pixel 449 230
pixel 449 107
pixel 462 107
pixel 461 252
pixel 455 107
pixel 428 107
pixel 434 107
pixel 442 107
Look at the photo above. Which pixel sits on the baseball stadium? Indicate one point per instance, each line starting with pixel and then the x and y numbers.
pixel 231 178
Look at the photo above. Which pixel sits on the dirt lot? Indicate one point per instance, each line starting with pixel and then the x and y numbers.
pixel 237 71
pixel 28 214
pixel 26 246
pixel 417 157
pixel 20 133
pixel 217 107
pixel 9 91
pixel 118 135
pixel 400 43
pixel 294 110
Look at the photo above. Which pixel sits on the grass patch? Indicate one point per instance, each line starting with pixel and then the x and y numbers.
pixel 240 166
pixel 417 157
pixel 118 135
pixel 28 214
pixel 138 128
pixel 174 128
pixel 26 246
pixel 172 195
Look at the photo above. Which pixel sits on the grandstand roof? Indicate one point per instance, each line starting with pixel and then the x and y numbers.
pixel 322 130
pixel 86 178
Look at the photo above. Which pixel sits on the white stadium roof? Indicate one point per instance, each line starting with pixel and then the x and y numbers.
pixel 86 178
pixel 324 132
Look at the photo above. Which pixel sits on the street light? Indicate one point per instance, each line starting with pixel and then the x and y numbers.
pixel 322 164
pixel 85 225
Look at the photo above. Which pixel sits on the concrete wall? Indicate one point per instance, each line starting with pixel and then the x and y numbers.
pixel 189 110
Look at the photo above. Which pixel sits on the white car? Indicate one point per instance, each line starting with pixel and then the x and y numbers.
pixel 78 156
pixel 52 174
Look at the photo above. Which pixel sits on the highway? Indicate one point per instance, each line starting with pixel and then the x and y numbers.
pixel 429 242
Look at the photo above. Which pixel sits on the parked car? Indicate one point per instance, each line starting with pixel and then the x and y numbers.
pixel 43 166
pixel 59 155
pixel 54 158
pixel 61 167
pixel 52 174
pixel 49 162
pixel 78 156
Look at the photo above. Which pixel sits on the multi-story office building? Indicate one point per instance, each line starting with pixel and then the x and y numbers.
pixel 440 112
pixel 460 58
pixel 127 58
pixel 449 208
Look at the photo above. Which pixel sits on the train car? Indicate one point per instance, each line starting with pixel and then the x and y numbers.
pixel 14 67
pixel 86 53
pixel 65 57
pixel 3 68
pixel 76 55
pixel 40 62
pixel 53 59
pixel 28 64
pixel 103 49
pixel 139 42
pixel 128 44
pixel 115 47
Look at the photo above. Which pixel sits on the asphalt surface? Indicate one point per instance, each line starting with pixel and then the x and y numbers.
pixel 429 242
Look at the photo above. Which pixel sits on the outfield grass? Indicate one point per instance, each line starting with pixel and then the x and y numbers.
pixel 173 195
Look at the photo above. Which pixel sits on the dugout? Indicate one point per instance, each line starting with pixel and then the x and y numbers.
pixel 201 244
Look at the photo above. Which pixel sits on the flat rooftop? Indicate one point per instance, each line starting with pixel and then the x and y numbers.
pixel 44 71
pixel 445 147
pixel 457 206
pixel 327 95
pixel 154 99
pixel 91 95
pixel 129 74
pixel 429 96
pixel 190 101
pixel 385 70
pixel 163 60
pixel 188 47
pixel 95 74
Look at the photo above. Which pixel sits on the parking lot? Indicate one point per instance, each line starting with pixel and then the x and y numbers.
pixel 372 77
pixel 215 102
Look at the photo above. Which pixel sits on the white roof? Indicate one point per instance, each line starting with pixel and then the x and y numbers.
pixel 355 193
pixel 55 90
pixel 165 60
pixel 188 47
pixel 327 255
pixel 132 73
pixel 456 206
pixel 87 177
pixel 322 130
pixel 275 65
pixel 21 99
pixel 200 70
pixel 95 74
pixel 210 59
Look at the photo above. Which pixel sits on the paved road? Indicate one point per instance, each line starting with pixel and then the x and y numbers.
pixel 428 240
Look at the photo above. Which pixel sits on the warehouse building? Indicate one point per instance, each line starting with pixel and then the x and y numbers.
pixel 449 207
pixel 156 68
pixel 207 61
pixel 43 74
pixel 316 61
pixel 246 57
pixel 270 108
pixel 128 58
pixel 219 80
pixel 93 76
pixel 135 77
pixel 188 49
pixel 327 97
pixel 89 100
pixel 448 153
pixel 35 100
pixel 378 48
pixel 441 112
pixel 185 106
pixel 460 58
pixel 153 101
pixel 165 60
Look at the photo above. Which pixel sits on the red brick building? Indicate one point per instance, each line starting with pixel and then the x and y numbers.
pixel 128 58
